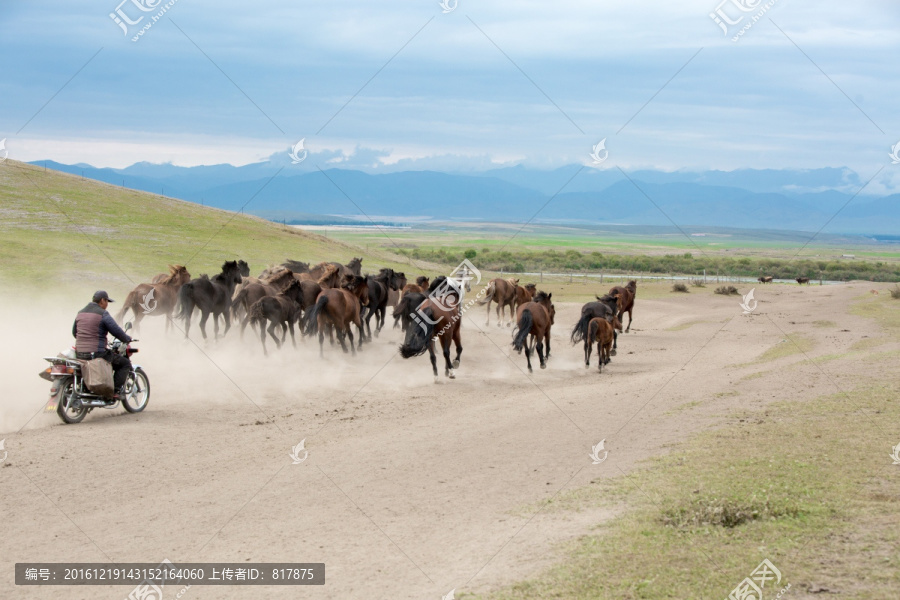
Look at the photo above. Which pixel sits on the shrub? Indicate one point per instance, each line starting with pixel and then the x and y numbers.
pixel 697 283
pixel 728 290
pixel 679 287
pixel 895 292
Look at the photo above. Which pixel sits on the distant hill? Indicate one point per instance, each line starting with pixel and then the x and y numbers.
pixel 801 200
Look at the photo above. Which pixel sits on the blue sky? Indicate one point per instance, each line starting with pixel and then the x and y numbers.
pixel 238 81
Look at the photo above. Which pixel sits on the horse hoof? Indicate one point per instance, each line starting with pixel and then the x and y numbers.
pixel 451 375
pixel 530 370
pixel 612 353
pixel 544 366
pixel 455 364
pixel 437 379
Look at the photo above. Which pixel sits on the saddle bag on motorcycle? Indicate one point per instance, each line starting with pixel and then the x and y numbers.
pixel 98 377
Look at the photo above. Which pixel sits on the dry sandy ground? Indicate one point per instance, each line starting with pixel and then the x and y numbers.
pixel 410 489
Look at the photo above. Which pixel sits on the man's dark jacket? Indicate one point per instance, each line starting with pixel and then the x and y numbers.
pixel 91 326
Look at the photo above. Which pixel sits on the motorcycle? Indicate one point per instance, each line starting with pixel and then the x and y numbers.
pixel 71 398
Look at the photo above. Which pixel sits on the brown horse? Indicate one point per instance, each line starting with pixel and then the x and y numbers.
pixel 330 275
pixel 439 310
pixel 525 294
pixel 211 296
pixel 802 280
pixel 352 268
pixel 282 309
pixel 603 332
pixel 157 298
pixel 625 300
pixel 535 318
pixel 503 292
pixel 765 279
pixel 276 282
pixel 339 308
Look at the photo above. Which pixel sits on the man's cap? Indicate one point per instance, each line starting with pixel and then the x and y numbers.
pixel 102 295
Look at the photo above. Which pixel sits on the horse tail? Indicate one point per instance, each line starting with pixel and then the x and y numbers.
pixel 524 325
pixel 581 328
pixel 186 301
pixel 129 301
pixel 492 288
pixel 238 301
pixel 417 338
pixel 256 313
pixel 592 330
pixel 312 316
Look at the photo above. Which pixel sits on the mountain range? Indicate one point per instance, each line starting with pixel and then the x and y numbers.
pixel 798 200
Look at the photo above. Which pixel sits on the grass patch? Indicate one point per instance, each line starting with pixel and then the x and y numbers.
pixel 770 485
pixel 882 310
pixel 794 343
pixel 684 326
pixel 825 324
pixel 727 290
pixel 868 343
pixel 753 376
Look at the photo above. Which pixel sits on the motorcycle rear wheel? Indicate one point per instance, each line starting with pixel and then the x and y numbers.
pixel 64 397
pixel 137 391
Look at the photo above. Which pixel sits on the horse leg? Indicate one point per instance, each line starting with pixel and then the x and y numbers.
pixel 627 329
pixel 262 337
pixel 271 329
pixel 615 341
pixel 600 354
pixel 350 335
pixel 227 317
pixel 512 313
pixel 203 318
pixel 321 342
pixel 540 352
pixel 293 339
pixel 448 366
pixel 379 318
pixel 457 339
pixel 499 318
pixel 587 352
pixel 341 336
pixel 488 322
pixel 528 357
pixel 433 358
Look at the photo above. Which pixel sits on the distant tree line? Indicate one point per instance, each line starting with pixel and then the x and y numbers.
pixel 553 261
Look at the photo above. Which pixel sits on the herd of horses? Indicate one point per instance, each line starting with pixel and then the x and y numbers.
pixel 330 299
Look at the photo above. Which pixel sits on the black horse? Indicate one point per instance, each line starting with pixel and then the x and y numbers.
pixel 378 297
pixel 211 296
pixel 406 307
pixel 606 308
pixel 282 309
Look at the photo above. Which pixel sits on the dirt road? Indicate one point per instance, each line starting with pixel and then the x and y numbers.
pixel 410 489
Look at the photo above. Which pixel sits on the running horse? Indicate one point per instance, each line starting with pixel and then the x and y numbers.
pixel 535 318
pixel 605 307
pixel 439 309
pixel 624 301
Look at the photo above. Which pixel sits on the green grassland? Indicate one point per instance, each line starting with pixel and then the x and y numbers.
pixel 60 228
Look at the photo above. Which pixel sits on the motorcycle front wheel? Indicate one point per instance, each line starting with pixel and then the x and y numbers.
pixel 137 391
pixel 65 397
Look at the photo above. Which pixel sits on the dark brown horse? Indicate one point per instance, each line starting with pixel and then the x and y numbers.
pixel 281 309
pixel 245 297
pixel 157 298
pixel 339 308
pixel 211 296
pixel 296 266
pixel 534 318
pixel 436 317
pixel 602 331
pixel 394 294
pixel 765 279
pixel 802 280
pixel 605 307
pixel 379 286
pixel 625 300
pixel 503 292
pixel 405 309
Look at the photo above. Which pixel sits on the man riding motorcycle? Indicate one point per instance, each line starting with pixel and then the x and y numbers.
pixel 91 325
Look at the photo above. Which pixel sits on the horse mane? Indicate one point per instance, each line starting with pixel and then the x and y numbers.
pixel 174 273
pixel 280 277
pixel 421 281
pixel 329 271
pixel 296 266
pixel 541 296
pixel 607 298
pixel 530 287
pixel 436 283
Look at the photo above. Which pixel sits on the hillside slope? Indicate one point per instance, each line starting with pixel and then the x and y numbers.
pixel 58 228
